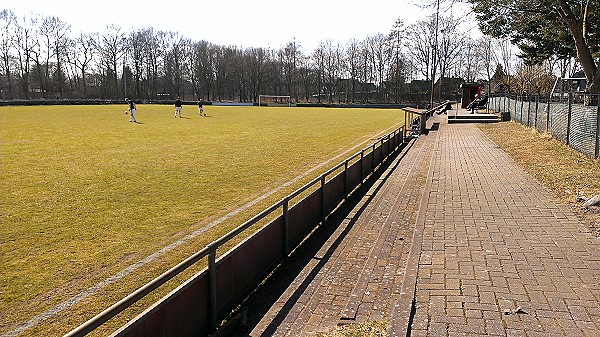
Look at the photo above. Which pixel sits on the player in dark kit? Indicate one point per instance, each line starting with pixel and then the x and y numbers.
pixel 178 108
pixel 200 109
pixel 131 110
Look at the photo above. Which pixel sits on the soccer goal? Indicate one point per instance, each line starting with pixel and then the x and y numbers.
pixel 274 100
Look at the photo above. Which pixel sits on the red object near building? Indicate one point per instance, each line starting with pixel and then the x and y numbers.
pixel 469 92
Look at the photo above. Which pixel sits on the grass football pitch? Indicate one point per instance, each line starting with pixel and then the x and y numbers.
pixel 85 194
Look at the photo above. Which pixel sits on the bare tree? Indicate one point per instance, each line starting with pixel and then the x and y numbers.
pixel 156 53
pixel 25 42
pixel 488 59
pixel 54 32
pixel 378 56
pixel 532 79
pixel 172 64
pixel 8 21
pixel 111 49
pixel 469 60
pixel 449 48
pixel 240 75
pixel 331 67
pixel 306 74
pixel 366 76
pixel 418 39
pixel 289 58
pixel 397 71
pixel 353 64
pixel 318 58
pixel 508 59
pixel 203 69
pixel 223 58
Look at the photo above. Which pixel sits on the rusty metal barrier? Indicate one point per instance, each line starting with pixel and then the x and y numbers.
pixel 196 306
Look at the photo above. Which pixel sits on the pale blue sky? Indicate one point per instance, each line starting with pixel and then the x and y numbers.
pixel 258 23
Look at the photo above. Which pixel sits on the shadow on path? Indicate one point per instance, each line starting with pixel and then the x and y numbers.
pixel 259 303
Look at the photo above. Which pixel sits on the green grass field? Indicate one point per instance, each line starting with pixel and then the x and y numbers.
pixel 86 194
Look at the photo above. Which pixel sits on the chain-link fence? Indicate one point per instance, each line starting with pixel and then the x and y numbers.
pixel 567 118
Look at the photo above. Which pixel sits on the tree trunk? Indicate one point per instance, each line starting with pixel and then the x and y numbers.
pixel 583 51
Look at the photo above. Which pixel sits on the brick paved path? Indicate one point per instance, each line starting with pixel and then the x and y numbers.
pixel 460 234
pixel 357 275
pixel 499 255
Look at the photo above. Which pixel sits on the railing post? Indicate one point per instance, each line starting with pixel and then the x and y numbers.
pixel 362 156
pixel 388 140
pixel 373 158
pixel 404 128
pixel 212 286
pixel 286 229
pixel 323 199
pixel 345 179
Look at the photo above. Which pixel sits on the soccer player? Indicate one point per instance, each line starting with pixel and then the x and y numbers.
pixel 178 108
pixel 200 109
pixel 131 110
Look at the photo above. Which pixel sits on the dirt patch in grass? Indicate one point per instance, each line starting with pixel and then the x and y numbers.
pixel 569 175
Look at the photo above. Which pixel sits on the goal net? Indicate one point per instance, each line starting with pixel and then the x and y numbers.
pixel 274 100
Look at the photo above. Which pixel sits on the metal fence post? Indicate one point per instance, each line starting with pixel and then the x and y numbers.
pixel 516 107
pixel 548 116
pixel 569 118
pixel 597 150
pixel 537 100
pixel 521 110
pixel 212 286
pixel 528 111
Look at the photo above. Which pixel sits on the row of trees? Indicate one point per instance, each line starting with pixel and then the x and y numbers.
pixel 40 57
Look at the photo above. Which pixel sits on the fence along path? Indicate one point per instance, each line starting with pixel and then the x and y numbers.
pixel 573 123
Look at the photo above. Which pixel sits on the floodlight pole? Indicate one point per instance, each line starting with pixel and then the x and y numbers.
pixel 434 53
pixel 124 68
